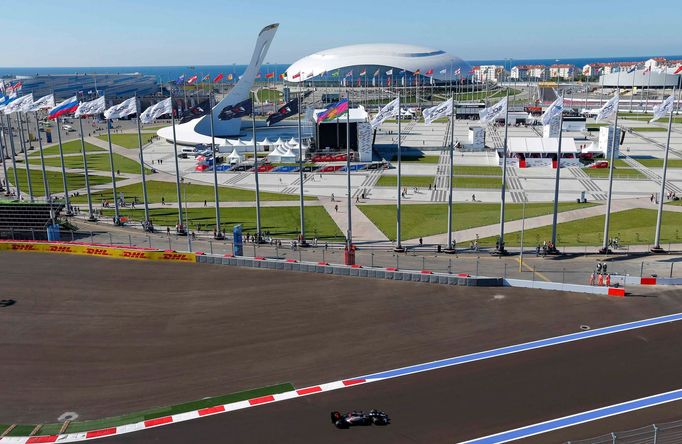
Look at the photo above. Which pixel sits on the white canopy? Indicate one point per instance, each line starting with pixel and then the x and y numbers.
pixel 235 157
pixel 265 142
pixel 532 145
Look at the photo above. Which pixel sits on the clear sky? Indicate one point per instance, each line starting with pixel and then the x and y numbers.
pixel 219 32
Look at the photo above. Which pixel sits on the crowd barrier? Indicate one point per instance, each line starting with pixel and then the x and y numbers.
pixel 644 280
pixel 85 249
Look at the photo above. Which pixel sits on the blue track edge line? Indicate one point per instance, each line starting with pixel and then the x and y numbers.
pixel 472 357
pixel 579 418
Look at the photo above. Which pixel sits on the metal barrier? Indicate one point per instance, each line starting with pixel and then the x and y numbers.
pixel 666 433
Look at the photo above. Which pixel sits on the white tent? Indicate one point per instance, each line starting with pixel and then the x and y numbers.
pixel 247 142
pixel 292 141
pixel 265 142
pixel 235 158
pixel 279 141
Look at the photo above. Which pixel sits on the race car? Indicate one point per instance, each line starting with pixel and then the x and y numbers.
pixel 359 418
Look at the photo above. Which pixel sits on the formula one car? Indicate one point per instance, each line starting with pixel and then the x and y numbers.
pixel 359 418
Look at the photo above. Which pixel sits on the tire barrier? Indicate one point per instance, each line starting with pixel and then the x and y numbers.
pixel 85 249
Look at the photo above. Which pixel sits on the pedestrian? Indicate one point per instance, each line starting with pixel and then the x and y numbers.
pixel 421 241
pixel 473 198
pixel 336 208
pixel 163 200
pixel 168 231
pixel 205 204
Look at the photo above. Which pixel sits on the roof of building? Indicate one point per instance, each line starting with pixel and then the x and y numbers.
pixel 408 57
pixel 541 145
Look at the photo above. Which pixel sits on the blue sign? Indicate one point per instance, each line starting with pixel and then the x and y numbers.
pixel 238 244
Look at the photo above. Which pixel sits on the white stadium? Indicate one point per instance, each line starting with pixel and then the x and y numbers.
pixel 402 57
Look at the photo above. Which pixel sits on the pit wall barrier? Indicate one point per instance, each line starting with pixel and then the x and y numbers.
pixel 85 249
pixel 636 280
pixel 399 275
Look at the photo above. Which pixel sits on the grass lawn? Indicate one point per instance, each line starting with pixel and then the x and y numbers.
pixel 649 129
pixel 96 162
pixel 270 95
pixel 195 193
pixel 154 127
pixel 473 170
pixel 635 226
pixel 54 180
pixel 618 173
pixel 158 412
pixel 425 181
pixel 128 140
pixel 422 159
pixel 658 163
pixel 429 219
pixel 280 221
pixel 676 202
pixel 71 147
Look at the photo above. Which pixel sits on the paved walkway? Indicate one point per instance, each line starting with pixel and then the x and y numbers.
pixel 363 228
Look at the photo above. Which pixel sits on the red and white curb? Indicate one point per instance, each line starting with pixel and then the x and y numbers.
pixel 344 383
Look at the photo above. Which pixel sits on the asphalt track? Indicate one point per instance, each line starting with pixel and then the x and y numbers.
pixel 103 337
pixel 463 402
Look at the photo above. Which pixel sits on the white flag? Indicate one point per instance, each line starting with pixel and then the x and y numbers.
pixel 389 72
pixel 123 109
pixel 45 102
pixel 664 108
pixel 443 71
pixel 390 110
pixel 159 109
pixel 608 109
pixel 490 114
pixel 554 110
pixel 91 108
pixel 436 112
pixel 19 105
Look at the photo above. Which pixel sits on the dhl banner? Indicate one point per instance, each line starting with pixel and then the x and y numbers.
pixel 98 250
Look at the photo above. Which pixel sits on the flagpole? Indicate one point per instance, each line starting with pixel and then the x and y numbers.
pixel 612 161
pixel 500 246
pixel 399 246
pixel 632 90
pixel 117 216
pixel 216 193
pixel 349 235
pixel 14 158
pixel 3 153
pixel 182 230
pixel 555 214
pixel 450 247
pixel 648 90
pixel 302 240
pixel 657 237
pixel 61 157
pixel 25 150
pixel 147 226
pixel 255 168
pixel 91 216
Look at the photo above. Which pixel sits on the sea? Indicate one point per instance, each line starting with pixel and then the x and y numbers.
pixel 167 73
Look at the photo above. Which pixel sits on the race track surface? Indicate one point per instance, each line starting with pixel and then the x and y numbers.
pixel 463 402
pixel 104 337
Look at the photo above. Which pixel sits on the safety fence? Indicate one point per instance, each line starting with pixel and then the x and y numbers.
pixel 666 433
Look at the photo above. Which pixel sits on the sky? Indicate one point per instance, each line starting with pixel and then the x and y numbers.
pixel 81 33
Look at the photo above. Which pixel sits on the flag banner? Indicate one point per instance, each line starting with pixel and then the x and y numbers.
pixel 429 72
pixel 258 76
pixel 281 76
pixel 443 71
pixel 349 73
pixel 333 111
pixel 376 73
pixel 193 113
pixel 270 75
pixel 67 106
pixel 458 72
pixel 336 73
pixel 417 72
pixel 123 109
pixel 15 87
pixel 218 78
pixel 647 69
pixel 91 108
pixel 230 77
pixel 287 110
pixel 678 70
pixel 493 112
pixel 206 78
pixel 664 108
pixel 436 112
pixel 608 109
pixel 19 105
pixel 555 109
pixel 363 73
pixel 632 69
pixel 586 70
pixel 6 100
pixel 296 76
pixel 191 80
pixel 237 110
pixel 180 80
pixel 389 72
pixel 390 110
pixel 155 111
pixel 45 102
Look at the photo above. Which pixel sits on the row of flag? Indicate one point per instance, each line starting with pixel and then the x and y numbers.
pixel 377 73
pixel 230 77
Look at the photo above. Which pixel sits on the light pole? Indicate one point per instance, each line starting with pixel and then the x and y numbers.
pixel 189 235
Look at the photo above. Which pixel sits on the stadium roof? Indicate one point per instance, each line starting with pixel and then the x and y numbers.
pixel 408 57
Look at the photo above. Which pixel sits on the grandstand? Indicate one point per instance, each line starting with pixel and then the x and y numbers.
pixel 17 217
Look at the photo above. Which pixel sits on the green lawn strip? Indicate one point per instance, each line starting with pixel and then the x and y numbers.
pixel 71 147
pixel 425 181
pixel 153 128
pixel 193 193
pixel 429 219
pixel 675 202
pixel 658 163
pixel 128 140
pixel 96 161
pixel 81 426
pixel 54 179
pixel 632 227
pixel 649 129
pixel 270 95
pixel 279 221
pixel 618 173
pixel 474 170
pixel 422 159
pixel 21 430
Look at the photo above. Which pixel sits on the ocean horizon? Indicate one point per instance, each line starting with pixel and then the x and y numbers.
pixel 166 73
